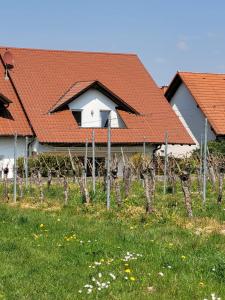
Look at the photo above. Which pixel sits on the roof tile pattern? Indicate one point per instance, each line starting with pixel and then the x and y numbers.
pixel 208 91
pixel 13 120
pixel 42 76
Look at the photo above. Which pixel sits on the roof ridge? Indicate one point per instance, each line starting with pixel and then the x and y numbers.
pixel 69 51
pixel 199 73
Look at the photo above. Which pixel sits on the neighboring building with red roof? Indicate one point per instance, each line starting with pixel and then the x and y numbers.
pixel 56 98
pixel 194 97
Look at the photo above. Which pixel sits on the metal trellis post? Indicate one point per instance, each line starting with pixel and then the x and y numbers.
pixel 26 162
pixel 205 161
pixel 15 168
pixel 165 162
pixel 93 161
pixel 108 164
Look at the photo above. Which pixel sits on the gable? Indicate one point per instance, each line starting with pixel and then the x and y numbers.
pixel 208 91
pixel 189 114
pixel 92 103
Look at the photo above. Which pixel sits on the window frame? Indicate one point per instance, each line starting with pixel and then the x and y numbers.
pixel 81 119
pixel 105 110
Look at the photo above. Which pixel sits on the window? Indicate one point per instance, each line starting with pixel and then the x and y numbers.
pixel 104 118
pixel 77 116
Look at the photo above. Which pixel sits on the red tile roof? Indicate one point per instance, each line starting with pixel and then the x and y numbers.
pixel 42 76
pixel 208 90
pixel 12 118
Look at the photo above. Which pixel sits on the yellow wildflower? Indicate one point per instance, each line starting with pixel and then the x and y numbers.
pixel 132 278
pixel 128 271
pixel 42 225
pixel 201 284
pixel 183 257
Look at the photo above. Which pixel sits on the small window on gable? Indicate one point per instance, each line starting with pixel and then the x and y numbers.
pixel 77 116
pixel 105 118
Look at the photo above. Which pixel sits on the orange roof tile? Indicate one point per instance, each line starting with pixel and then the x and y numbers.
pixel 208 90
pixel 12 119
pixel 42 76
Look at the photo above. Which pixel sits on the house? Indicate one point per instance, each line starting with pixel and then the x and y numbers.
pixel 57 98
pixel 194 97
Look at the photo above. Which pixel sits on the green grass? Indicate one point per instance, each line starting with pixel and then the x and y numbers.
pixel 56 260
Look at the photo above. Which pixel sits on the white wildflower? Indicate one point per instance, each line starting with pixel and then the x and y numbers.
pixel 100 275
pixel 112 275
pixel 161 274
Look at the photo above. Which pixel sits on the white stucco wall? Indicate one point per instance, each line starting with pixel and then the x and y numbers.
pixel 191 117
pixel 91 103
pixel 7 153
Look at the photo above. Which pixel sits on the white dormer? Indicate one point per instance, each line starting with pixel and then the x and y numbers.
pixel 92 105
pixel 92 109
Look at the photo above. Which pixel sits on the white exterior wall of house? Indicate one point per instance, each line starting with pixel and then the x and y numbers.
pixel 7 153
pixel 91 103
pixel 191 117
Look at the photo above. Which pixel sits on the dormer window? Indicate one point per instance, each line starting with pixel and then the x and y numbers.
pixel 77 116
pixel 92 104
pixel 104 118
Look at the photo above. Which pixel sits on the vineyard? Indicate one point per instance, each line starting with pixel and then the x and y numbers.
pixel 36 177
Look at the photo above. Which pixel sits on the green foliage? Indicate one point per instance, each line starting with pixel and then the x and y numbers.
pixel 217 147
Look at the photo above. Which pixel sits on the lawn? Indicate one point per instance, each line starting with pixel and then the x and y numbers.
pixel 53 252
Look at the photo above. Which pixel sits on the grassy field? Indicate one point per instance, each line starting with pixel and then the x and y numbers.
pixel 78 252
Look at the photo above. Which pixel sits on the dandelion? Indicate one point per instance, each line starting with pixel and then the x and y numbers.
pixel 132 278
pixel 128 271
pixel 161 274
pixel 183 257
pixel 41 225
pixel 201 284
pixel 131 227
pixel 58 220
